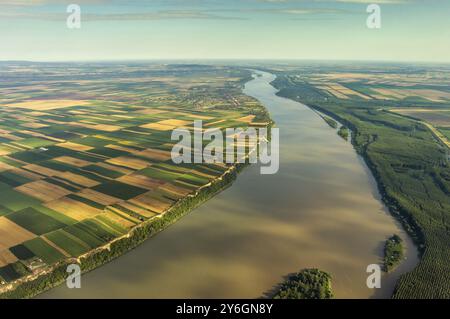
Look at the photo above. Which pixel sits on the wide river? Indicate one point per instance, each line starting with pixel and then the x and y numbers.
pixel 322 209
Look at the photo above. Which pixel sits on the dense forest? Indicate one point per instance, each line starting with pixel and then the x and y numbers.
pixel 413 175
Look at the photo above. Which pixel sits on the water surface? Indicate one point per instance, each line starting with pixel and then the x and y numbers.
pixel 321 210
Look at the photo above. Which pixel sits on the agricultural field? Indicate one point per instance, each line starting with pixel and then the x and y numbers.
pixel 410 88
pixel 399 117
pixel 435 116
pixel 436 119
pixel 85 151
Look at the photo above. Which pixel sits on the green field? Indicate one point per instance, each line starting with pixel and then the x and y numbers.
pixel 35 221
pixel 86 158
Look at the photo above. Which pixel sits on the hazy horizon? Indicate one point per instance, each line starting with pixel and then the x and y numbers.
pixel 117 30
pixel 238 61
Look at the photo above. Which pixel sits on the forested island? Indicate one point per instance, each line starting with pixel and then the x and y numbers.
pixel 393 252
pixel 343 132
pixel 306 284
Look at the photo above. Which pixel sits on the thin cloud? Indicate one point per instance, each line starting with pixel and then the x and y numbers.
pixel 160 15
pixel 169 14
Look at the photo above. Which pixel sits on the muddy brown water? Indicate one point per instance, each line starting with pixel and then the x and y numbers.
pixel 322 209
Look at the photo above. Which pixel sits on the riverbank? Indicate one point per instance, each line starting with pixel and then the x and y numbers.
pixel 405 219
pixel 396 210
pixel 404 157
pixel 53 276
pixel 399 213
pixel 48 277
pixel 246 239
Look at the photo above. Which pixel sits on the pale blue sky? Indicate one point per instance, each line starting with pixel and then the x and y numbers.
pixel 412 30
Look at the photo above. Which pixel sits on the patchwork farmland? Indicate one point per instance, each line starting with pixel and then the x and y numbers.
pixel 419 94
pixel 85 152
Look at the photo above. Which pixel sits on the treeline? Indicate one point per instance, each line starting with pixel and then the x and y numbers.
pixel 137 236
pixel 332 123
pixel 412 172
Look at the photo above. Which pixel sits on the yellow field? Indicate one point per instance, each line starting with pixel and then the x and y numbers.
pixel 42 190
pixel 72 161
pixel 246 119
pixel 177 190
pixel 130 162
pixel 5 167
pixel 26 174
pixel 150 203
pixel 41 170
pixel 166 125
pixel 10 136
pixel 7 257
pixel 75 146
pixel 12 234
pixel 332 91
pixel 98 197
pixel 34 125
pixel 125 222
pixel 194 116
pixel 141 211
pixel 99 127
pixel 78 179
pixel 341 91
pixel 214 123
pixel 121 148
pixel 174 122
pixel 45 105
pixel 140 181
pixel 73 208
pixel 158 127
pixel 105 127
pixel 148 111
pixel 389 93
pixel 5 150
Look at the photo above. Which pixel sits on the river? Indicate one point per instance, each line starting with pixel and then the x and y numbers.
pixel 322 209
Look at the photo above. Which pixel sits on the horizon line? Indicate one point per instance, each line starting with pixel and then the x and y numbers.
pixel 227 59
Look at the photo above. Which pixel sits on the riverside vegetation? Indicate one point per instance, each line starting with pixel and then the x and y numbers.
pixel 409 162
pixel 85 164
pixel 343 132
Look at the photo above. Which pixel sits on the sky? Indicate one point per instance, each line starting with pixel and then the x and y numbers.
pixel 411 30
